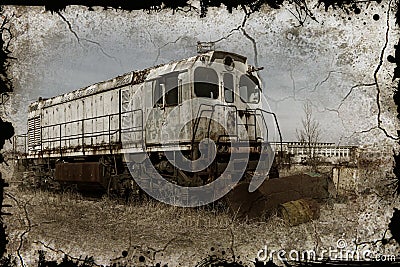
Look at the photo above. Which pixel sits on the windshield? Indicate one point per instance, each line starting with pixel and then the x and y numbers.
pixel 206 83
pixel 249 89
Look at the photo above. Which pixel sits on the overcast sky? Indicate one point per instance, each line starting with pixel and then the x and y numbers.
pixel 320 61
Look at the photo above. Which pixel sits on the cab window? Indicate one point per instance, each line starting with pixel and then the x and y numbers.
pixel 228 88
pixel 169 83
pixel 171 90
pixel 157 93
pixel 249 89
pixel 206 83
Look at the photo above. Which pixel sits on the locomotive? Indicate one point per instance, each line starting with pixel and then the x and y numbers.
pixel 202 109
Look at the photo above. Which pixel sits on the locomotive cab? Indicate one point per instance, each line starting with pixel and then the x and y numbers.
pixel 227 79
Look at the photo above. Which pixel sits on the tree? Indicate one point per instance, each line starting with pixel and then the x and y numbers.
pixel 309 134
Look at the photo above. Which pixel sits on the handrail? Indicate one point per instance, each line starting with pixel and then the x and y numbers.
pixel 266 126
pixel 118 128
pixel 111 131
pixel 92 134
pixel 16 145
pixel 93 118
pixel 252 112
pixel 197 121
pixel 276 122
pixel 212 110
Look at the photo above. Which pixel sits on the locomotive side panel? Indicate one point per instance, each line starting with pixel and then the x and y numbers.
pixel 88 123
pixel 153 113
pixel 113 108
pixel 50 132
pixel 100 120
pixel 132 99
pixel 186 116
pixel 76 123
pixel 76 126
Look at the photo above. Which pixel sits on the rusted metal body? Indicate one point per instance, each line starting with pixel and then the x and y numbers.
pixel 85 174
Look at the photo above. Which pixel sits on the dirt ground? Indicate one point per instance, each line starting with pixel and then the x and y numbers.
pixel 152 232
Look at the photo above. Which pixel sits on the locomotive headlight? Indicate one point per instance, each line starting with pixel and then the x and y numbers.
pixel 229 63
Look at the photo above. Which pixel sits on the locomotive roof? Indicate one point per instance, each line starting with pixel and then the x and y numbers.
pixel 134 77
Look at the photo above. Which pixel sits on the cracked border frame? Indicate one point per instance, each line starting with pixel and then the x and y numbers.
pixel 302 13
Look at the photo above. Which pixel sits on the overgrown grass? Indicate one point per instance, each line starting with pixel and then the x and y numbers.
pixel 103 228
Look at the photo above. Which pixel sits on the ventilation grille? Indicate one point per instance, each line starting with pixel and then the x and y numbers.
pixel 34 135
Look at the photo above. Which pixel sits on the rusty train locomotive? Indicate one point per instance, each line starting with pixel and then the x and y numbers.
pixel 93 136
